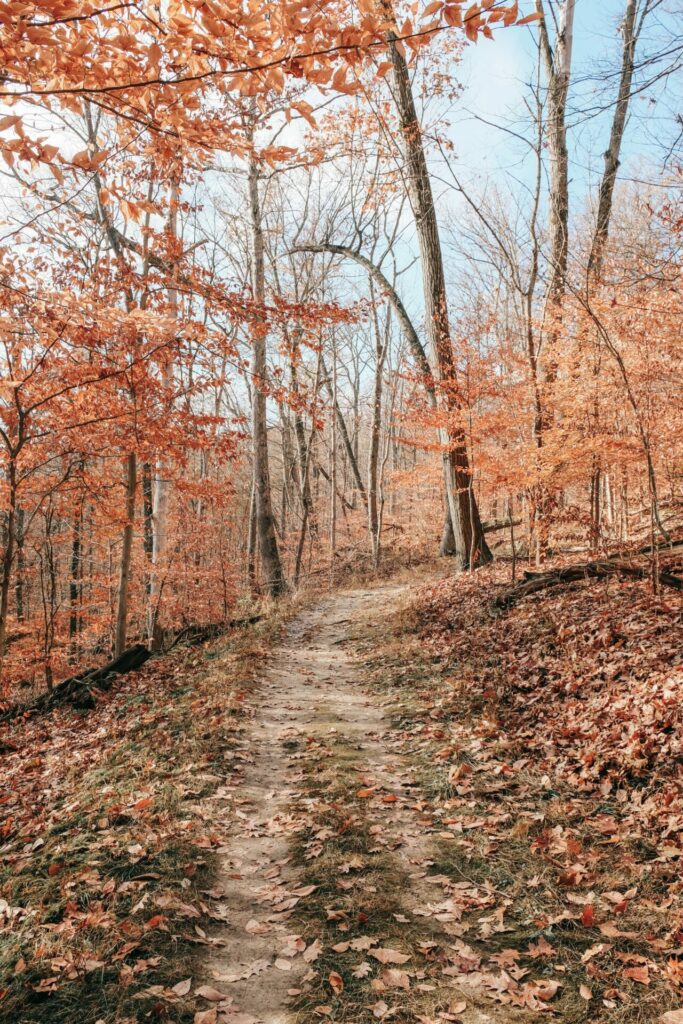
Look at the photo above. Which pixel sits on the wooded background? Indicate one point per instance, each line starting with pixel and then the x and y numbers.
pixel 260 327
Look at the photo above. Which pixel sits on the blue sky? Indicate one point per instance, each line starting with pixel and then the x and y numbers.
pixel 494 74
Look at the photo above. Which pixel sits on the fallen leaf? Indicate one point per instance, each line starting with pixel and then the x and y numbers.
pixel 393 977
pixel 206 1017
pixel 183 987
pixel 210 993
pixel 362 970
pixel 388 956
pixel 639 974
pixel 312 952
pixel 336 982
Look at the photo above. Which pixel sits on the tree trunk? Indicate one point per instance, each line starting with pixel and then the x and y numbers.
pixel 126 553
pixel 273 574
pixel 470 543
pixel 8 555
pixel 76 575
pixel 161 484
pixel 341 424
pixel 595 260
pixel 558 69
pixel 333 469
pixel 613 151
pixel 375 431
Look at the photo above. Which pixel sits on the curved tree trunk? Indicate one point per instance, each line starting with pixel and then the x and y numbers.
pixel 470 543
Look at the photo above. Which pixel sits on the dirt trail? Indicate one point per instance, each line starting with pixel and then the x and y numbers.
pixel 311 695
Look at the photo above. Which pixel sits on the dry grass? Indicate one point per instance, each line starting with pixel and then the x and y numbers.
pixel 433 710
pixel 106 858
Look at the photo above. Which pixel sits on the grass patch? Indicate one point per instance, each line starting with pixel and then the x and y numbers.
pixel 557 858
pixel 107 856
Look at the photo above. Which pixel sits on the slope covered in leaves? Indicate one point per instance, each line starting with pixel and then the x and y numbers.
pixel 106 854
pixel 549 739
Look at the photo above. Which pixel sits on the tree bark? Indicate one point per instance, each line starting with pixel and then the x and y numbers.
pixel 470 543
pixel 613 151
pixel 161 485
pixel 8 554
pixel 558 70
pixel 273 575
pixel 126 553
pixel 606 197
pixel 375 431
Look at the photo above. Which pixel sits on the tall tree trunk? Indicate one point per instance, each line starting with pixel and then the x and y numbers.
pixel 333 469
pixel 161 484
pixel 8 554
pixel 558 61
pixel 630 32
pixel 374 516
pixel 252 542
pixel 147 512
pixel 76 575
pixel 630 35
pixel 126 554
pixel 273 574
pixel 467 529
pixel 21 565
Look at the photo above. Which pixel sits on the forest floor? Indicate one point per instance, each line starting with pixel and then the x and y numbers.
pixel 395 806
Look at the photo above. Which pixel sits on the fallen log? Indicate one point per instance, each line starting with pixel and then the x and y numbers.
pixel 536 581
pixel 77 690
pixel 194 634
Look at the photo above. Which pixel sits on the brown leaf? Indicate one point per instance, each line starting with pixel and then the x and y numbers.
pixel 393 977
pixel 336 982
pixel 362 970
pixel 312 952
pixel 183 987
pixel 612 932
pixel 210 993
pixel 388 956
pixel 639 974
pixel 206 1017
pixel 547 990
pixel 541 948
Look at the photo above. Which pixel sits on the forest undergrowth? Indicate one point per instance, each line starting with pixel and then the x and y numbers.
pixel 107 856
pixel 507 842
pixel 547 740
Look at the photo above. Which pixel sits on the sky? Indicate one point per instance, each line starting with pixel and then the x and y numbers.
pixel 494 75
